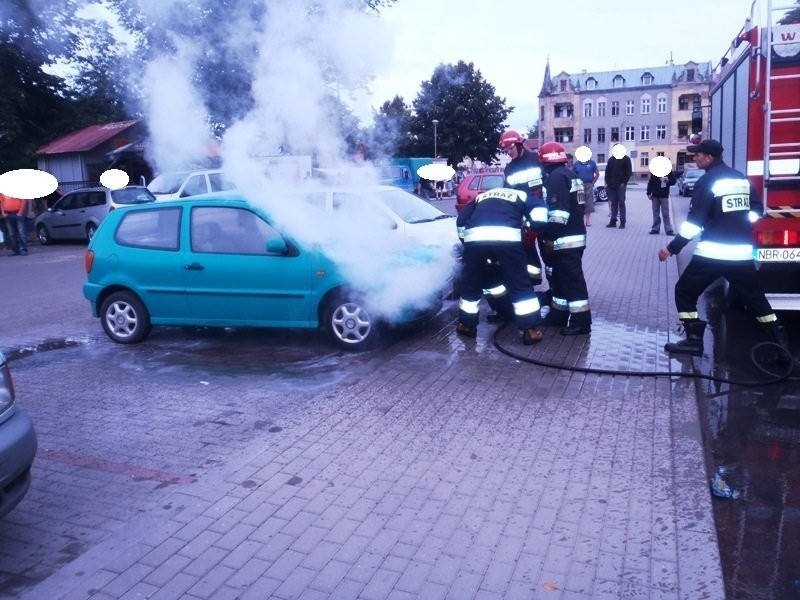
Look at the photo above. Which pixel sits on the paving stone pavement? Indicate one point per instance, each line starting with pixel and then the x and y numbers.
pixel 449 469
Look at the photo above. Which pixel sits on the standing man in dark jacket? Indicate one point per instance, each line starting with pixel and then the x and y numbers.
pixel 658 192
pixel 723 208
pixel 563 234
pixel 618 173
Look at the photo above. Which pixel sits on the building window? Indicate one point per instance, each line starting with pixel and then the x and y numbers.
pixel 563 84
pixel 601 158
pixel 661 104
pixel 601 134
pixel 615 134
pixel 591 83
pixel 541 113
pixel 562 111
pixel 587 136
pixel 644 159
pixel 659 154
pixel 615 108
pixel 629 107
pixel 644 133
pixel 563 135
pixel 689 74
pixel 587 108
pixel 686 101
pixel 601 108
pixel 645 105
pixel 683 130
pixel 661 132
pixel 647 79
pixel 630 133
pixel 618 81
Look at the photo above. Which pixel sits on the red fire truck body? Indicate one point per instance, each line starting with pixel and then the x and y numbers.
pixel 755 114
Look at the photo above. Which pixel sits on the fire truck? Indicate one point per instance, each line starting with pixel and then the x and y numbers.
pixel 755 114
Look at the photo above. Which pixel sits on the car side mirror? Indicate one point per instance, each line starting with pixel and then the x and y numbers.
pixel 277 246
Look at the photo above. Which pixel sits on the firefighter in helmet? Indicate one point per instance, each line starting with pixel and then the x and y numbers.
pixel 563 236
pixel 524 173
pixel 490 227
pixel 722 212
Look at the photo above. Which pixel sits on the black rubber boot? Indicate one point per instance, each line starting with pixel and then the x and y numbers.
pixel 612 223
pixel 580 324
pixel 778 334
pixel 693 344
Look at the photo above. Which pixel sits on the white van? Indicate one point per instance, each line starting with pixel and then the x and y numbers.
pixel 182 184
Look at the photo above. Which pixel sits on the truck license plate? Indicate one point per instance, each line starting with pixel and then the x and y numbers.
pixel 778 254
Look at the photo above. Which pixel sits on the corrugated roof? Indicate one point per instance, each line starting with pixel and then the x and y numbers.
pixel 86 139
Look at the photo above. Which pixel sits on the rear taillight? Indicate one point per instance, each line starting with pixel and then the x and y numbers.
pixel 777 238
pixel 88 260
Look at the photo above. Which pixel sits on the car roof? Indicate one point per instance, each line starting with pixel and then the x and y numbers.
pixel 102 188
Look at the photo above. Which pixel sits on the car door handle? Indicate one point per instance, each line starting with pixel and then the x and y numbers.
pixel 195 266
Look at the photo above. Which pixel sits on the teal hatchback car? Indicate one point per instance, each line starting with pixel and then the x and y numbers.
pixel 222 262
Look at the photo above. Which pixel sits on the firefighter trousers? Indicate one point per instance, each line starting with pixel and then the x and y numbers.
pixel 570 293
pixel 741 274
pixel 511 261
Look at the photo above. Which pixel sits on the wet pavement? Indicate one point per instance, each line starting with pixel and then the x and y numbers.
pixel 246 464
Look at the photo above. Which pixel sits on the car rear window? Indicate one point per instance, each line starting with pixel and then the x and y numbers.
pixel 489 182
pixel 132 196
pixel 156 229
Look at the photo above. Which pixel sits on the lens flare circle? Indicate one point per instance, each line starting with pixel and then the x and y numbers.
pixel 436 172
pixel 27 184
pixel 583 153
pixel 114 179
pixel 661 166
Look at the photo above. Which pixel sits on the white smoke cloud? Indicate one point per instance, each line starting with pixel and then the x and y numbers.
pixel 301 55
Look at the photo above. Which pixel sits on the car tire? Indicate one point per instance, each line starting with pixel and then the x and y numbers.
pixel 43 235
pixel 125 318
pixel 602 195
pixel 349 324
pixel 91 229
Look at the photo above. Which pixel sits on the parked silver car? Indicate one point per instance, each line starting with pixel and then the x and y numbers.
pixel 687 180
pixel 17 445
pixel 77 214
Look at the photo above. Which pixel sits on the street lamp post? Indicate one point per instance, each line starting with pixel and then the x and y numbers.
pixel 435 123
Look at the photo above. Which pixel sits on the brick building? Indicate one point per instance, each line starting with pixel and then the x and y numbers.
pixel 649 110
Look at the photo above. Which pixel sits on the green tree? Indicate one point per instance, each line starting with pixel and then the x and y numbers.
pixel 470 115
pixel 37 105
pixel 224 70
pixel 389 135
pixel 792 16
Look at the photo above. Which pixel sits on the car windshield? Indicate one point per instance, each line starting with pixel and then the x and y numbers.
pixel 132 196
pixel 410 208
pixel 167 183
pixel 693 174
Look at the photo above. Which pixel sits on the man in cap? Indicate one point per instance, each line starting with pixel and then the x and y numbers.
pixel 723 208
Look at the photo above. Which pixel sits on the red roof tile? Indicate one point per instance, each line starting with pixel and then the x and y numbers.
pixel 86 139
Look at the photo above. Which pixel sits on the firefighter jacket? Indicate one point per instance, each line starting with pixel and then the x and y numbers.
pixel 724 206
pixel 494 216
pixel 560 220
pixel 525 173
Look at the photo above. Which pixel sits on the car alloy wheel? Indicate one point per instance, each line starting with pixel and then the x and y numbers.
pixel 349 324
pixel 125 318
